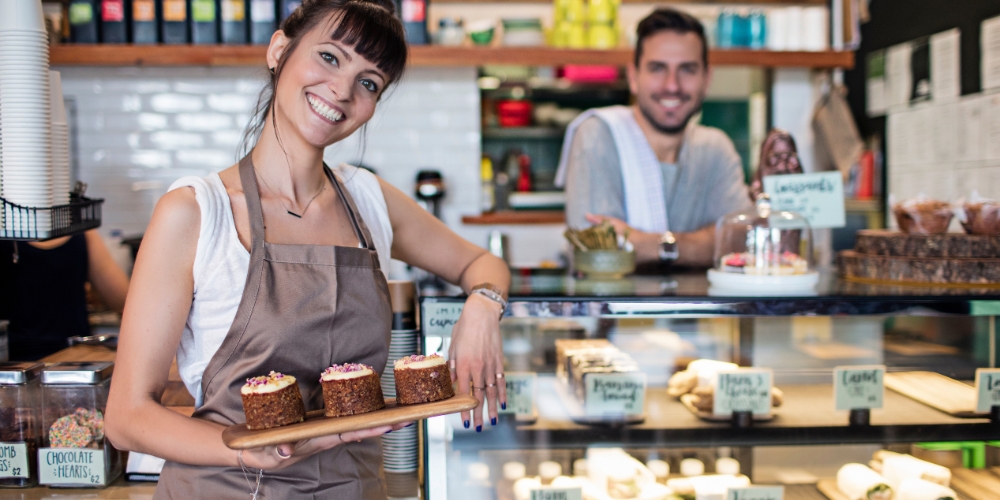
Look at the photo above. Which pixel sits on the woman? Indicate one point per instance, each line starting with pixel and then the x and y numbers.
pixel 240 278
pixel 778 156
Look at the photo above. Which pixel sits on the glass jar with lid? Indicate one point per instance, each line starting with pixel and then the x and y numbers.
pixel 76 452
pixel 762 247
pixel 20 435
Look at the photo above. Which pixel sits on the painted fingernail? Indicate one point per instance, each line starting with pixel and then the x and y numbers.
pixel 493 421
pixel 466 424
pixel 479 428
pixel 503 406
pixel 388 431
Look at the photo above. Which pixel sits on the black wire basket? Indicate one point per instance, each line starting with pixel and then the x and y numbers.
pixel 45 223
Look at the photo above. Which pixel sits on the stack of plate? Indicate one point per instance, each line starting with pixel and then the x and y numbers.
pixel 25 133
pixel 60 142
pixel 399 447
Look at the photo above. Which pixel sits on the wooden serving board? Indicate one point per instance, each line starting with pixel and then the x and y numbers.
pixel 941 246
pixel 686 400
pixel 920 270
pixel 829 488
pixel 937 391
pixel 238 437
pixel 976 484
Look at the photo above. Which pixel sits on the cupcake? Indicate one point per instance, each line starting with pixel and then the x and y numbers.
pixel 422 379
pixel 981 217
pixel 923 216
pixel 272 401
pixel 350 389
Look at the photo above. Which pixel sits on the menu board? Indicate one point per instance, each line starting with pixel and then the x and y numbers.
pixel 743 389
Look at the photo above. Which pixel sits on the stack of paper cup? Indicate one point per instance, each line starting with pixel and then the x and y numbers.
pixel 399 449
pixel 25 137
pixel 60 142
pixel 816 28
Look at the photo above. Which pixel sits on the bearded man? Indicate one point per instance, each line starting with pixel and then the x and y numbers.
pixel 649 166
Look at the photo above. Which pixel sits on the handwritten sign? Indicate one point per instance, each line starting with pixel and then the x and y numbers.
pixel 440 317
pixel 756 493
pixel 743 389
pixel 520 393
pixel 13 460
pixel 71 466
pixel 858 387
pixel 554 493
pixel 987 388
pixel 615 393
pixel 817 197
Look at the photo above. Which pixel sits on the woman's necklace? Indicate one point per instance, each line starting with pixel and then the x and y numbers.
pixel 293 214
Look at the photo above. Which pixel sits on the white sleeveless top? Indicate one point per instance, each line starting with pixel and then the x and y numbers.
pixel 221 264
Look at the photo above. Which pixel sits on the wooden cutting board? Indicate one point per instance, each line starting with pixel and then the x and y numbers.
pixel 937 391
pixel 238 437
pixel 976 484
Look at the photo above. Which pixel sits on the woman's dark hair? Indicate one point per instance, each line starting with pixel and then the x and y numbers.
pixel 669 20
pixel 369 26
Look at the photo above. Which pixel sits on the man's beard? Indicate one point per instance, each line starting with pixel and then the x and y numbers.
pixel 666 129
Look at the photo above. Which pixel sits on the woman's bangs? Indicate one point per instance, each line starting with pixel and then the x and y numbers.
pixel 375 34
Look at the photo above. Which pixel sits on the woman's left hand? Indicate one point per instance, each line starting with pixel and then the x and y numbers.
pixel 476 358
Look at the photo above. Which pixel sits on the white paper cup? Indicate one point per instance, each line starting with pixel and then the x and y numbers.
pixel 21 15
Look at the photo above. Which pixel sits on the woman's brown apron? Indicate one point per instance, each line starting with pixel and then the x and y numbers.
pixel 304 307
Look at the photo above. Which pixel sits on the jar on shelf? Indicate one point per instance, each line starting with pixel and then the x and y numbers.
pixel 20 412
pixel 763 247
pixel 76 452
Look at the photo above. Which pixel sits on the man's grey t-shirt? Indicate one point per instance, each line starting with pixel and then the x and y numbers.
pixel 705 183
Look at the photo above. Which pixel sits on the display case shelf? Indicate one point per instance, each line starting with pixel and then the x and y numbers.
pixel 517 217
pixel 423 55
pixel 806 418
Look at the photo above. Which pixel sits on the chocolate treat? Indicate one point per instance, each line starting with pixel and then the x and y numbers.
pixel 943 246
pixel 272 401
pixel 982 218
pixel 351 389
pixel 422 379
pixel 923 217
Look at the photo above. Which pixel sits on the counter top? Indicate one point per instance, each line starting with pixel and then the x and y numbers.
pixel 120 489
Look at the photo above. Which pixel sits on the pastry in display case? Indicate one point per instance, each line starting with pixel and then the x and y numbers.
pixel 763 251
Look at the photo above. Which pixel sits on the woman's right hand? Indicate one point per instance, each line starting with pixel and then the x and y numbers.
pixel 268 458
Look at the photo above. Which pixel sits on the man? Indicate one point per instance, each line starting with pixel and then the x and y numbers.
pixel 646 166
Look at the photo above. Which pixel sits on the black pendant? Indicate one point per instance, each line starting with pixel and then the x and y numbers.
pixel 293 214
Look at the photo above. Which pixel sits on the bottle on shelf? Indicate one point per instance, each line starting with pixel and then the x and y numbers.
pixel 758 29
pixel 204 22
pixel 486 196
pixel 413 13
pixel 602 16
pixel 175 22
pixel 262 20
pixel 524 181
pixel 144 22
pixel 725 26
pixel 83 21
pixel 234 22
pixel 114 28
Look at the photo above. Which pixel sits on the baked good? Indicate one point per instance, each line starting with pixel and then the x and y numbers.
pixel 272 400
pixel 921 489
pixel 350 389
pixel 787 263
pixel 981 217
pixel 81 429
pixel 422 379
pixel 858 482
pixel 566 347
pixel 923 216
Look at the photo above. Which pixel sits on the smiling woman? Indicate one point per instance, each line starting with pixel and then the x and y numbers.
pixel 241 279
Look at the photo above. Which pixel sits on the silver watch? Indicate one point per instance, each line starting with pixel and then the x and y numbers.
pixel 668 247
pixel 492 292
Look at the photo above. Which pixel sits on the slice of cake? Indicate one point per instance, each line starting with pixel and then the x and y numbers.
pixel 272 401
pixel 350 389
pixel 422 379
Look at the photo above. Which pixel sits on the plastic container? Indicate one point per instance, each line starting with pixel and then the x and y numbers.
pixel 233 22
pixel 83 21
pixel 922 216
pixel 75 452
pixel 762 247
pixel 174 22
pixel 144 22
pixel 514 113
pixel 114 26
pixel 263 21
pixel 204 22
pixel 20 436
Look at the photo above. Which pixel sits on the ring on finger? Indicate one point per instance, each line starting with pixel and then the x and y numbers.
pixel 478 388
pixel 499 375
pixel 490 385
pixel 277 451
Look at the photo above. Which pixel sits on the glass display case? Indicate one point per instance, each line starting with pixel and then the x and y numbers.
pixel 596 405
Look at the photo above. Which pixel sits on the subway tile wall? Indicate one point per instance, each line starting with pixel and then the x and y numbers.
pixel 139 129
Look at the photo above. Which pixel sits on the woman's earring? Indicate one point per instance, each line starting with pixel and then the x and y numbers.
pixel 271 70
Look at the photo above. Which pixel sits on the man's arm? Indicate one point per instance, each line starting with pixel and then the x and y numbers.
pixel 694 249
pixel 594 179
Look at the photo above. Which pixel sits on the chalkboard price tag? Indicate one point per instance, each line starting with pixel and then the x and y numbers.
pixel 13 460
pixel 71 466
pixel 859 387
pixel 440 317
pixel 743 389
pixel 553 493
pixel 615 393
pixel 756 493
pixel 520 393
pixel 987 389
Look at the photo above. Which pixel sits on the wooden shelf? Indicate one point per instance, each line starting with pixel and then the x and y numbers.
pixel 717 2
pixel 422 55
pixel 516 218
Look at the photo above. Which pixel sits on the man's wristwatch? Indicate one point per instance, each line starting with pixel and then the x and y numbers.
pixel 668 247
pixel 492 292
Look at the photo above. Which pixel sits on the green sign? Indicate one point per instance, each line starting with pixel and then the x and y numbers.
pixel 858 387
pixel 520 393
pixel 440 317
pixel 13 460
pixel 81 13
pixel 743 389
pixel 756 493
pixel 615 393
pixel 71 466
pixel 987 389
pixel 817 197
pixel 203 11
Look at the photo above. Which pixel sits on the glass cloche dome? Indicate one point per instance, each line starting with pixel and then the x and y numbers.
pixel 763 246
